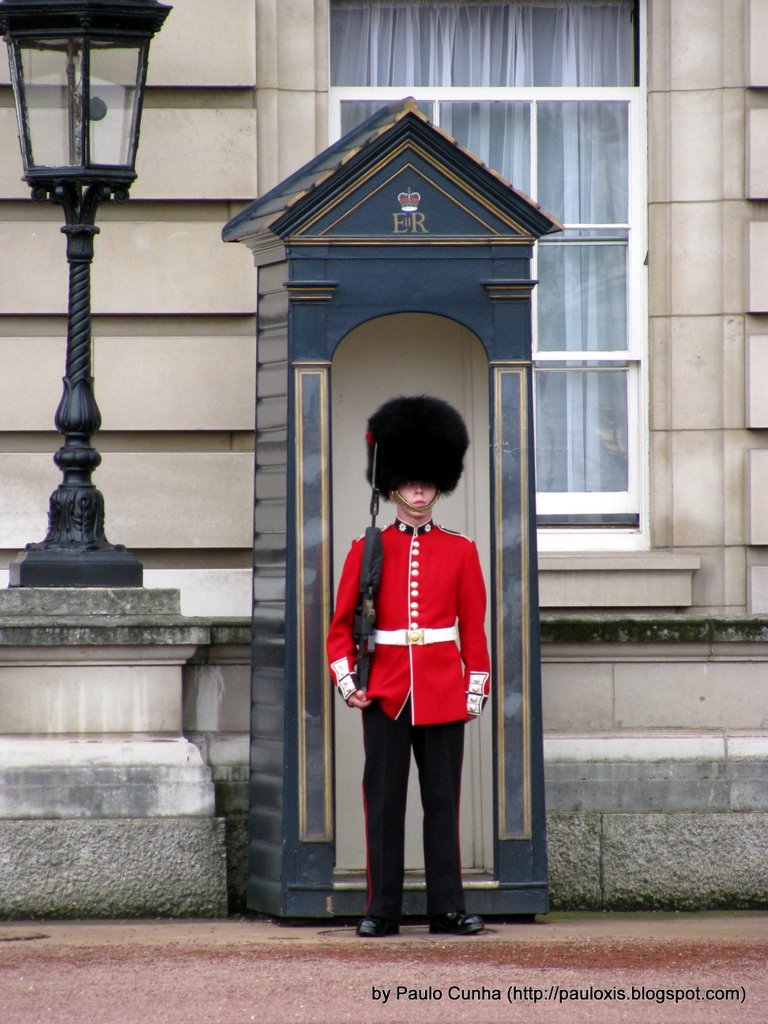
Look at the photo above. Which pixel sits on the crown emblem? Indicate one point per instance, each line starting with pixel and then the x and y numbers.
pixel 409 201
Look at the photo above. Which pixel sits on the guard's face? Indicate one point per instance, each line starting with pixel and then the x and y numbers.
pixel 418 493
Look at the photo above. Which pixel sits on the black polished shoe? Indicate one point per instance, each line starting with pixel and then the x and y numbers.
pixel 456 923
pixel 377 927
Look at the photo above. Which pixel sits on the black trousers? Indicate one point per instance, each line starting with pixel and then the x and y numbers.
pixel 438 751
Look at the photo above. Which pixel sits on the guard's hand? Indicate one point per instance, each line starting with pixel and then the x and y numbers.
pixel 359 699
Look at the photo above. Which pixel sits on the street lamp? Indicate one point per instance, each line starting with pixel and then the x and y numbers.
pixel 78 69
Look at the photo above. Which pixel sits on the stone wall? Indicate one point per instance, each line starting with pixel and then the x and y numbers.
pixel 132 798
pixel 656 755
pixel 657 792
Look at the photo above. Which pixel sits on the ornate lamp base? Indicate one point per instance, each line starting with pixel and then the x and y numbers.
pixel 52 567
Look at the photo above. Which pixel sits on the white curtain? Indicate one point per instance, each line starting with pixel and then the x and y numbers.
pixel 581 430
pixel 442 43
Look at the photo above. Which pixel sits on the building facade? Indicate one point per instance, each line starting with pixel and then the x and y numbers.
pixel 645 133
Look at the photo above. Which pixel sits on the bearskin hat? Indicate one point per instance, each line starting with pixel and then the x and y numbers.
pixel 416 438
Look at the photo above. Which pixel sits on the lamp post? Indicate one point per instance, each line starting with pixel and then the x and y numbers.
pixel 78 69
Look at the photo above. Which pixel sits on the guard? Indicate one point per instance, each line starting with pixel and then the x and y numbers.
pixel 429 669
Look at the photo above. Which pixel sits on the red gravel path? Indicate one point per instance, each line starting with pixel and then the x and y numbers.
pixel 652 969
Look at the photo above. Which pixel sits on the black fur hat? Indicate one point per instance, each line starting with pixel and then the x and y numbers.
pixel 416 438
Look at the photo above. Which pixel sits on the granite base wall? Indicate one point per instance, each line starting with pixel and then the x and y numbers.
pixel 182 867
pixel 162 867
pixel 671 860
pixel 658 861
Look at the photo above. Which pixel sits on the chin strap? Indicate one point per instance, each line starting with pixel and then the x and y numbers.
pixel 397 496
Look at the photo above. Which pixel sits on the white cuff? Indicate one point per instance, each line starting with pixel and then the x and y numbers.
pixel 346 682
pixel 476 695
pixel 346 687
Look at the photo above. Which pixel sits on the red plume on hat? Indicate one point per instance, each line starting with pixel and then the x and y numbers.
pixel 416 438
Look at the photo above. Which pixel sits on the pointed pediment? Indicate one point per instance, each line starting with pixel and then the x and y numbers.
pixel 395 178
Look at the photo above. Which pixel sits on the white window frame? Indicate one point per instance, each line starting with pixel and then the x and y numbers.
pixel 635 499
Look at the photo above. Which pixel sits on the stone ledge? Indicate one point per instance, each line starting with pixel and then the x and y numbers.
pixel 643 579
pixel 57 602
pixel 106 752
pixel 96 617
pixel 118 633
pixel 674 772
pixel 631 561
pixel 231 631
pixel 87 792
pixel 670 787
pixel 70 777
pixel 650 747
pixel 653 629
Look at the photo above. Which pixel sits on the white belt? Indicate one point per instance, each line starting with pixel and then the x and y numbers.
pixel 408 637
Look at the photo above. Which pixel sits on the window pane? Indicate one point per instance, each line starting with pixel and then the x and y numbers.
pixel 354 112
pixel 583 162
pixel 499 133
pixel 582 294
pixel 581 430
pixel 577 43
pixel 384 43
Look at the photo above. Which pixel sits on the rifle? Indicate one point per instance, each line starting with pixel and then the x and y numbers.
pixel 370 577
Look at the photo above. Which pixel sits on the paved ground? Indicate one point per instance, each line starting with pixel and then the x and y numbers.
pixel 649 969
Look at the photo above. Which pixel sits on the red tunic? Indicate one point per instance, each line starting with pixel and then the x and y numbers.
pixel 431 578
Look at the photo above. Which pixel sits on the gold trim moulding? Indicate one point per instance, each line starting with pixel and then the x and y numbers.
pixel 518 372
pixel 396 168
pixel 319 375
pixel 410 170
pixel 509 290
pixel 311 291
pixel 392 240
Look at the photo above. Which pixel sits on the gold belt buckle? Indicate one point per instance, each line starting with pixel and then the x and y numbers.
pixel 414 636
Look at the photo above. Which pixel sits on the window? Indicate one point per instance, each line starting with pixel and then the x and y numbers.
pixel 545 92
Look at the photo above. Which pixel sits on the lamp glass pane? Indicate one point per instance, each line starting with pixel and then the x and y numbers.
pixel 114 100
pixel 54 88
